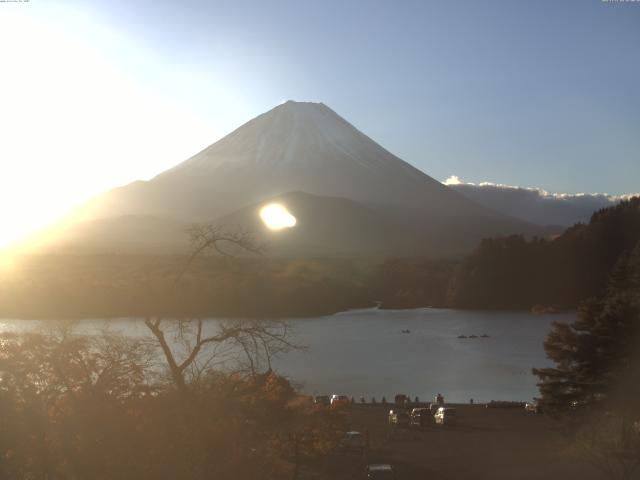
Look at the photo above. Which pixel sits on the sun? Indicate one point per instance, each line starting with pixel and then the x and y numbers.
pixel 276 217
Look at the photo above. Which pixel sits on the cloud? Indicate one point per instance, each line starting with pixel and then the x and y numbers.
pixel 535 204
pixel 453 180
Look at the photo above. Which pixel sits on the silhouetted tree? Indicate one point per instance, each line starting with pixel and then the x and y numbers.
pixel 257 339
pixel 595 386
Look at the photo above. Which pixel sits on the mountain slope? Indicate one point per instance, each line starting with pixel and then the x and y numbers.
pixel 327 227
pixel 116 234
pixel 294 147
pixel 306 147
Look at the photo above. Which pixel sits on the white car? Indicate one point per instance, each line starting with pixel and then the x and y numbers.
pixel 445 416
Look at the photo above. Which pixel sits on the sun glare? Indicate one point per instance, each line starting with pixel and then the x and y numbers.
pixel 76 120
pixel 7 262
pixel 276 217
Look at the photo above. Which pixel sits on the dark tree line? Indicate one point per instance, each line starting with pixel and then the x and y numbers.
pixel 513 272
pixel 410 282
pixel 106 286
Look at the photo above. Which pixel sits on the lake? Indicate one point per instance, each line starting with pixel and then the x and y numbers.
pixel 365 352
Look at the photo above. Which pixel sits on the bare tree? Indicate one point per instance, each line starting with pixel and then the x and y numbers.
pixel 257 341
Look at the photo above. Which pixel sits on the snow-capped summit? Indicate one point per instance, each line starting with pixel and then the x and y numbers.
pixel 293 133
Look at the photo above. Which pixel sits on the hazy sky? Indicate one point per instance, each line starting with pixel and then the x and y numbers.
pixel 99 93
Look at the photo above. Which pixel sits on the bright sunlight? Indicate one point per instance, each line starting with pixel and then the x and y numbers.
pixel 76 122
pixel 276 217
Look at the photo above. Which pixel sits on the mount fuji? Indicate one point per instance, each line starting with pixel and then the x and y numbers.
pixel 314 160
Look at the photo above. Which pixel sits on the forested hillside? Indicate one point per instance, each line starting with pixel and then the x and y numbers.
pixel 107 286
pixel 512 272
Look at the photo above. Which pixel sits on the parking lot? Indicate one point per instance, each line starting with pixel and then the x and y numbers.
pixel 486 443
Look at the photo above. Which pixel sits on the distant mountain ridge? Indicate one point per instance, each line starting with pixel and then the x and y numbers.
pixel 307 147
pixel 536 205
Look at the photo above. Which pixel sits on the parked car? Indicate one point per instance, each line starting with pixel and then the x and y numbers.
pixel 322 400
pixel 445 416
pixel 421 417
pixel 353 441
pixel 380 471
pixel 533 407
pixel 399 418
pixel 339 400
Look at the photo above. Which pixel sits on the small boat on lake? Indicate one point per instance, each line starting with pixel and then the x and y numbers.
pixel 484 335
pixel 473 336
pixel 462 336
pixel 406 331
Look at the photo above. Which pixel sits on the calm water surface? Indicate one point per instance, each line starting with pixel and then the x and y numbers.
pixel 365 352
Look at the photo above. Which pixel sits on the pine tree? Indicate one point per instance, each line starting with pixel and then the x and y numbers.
pixel 594 388
pixel 597 356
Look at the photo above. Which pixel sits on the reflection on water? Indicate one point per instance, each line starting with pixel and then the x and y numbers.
pixel 365 352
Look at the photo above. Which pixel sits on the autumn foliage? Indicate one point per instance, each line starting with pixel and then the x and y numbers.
pixel 103 407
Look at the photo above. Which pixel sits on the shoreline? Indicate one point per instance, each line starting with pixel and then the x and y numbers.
pixel 287 318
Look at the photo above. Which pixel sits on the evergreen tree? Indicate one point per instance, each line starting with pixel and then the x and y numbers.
pixel 596 356
pixel 594 389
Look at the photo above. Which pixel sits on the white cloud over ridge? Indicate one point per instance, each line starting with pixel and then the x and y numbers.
pixel 535 204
